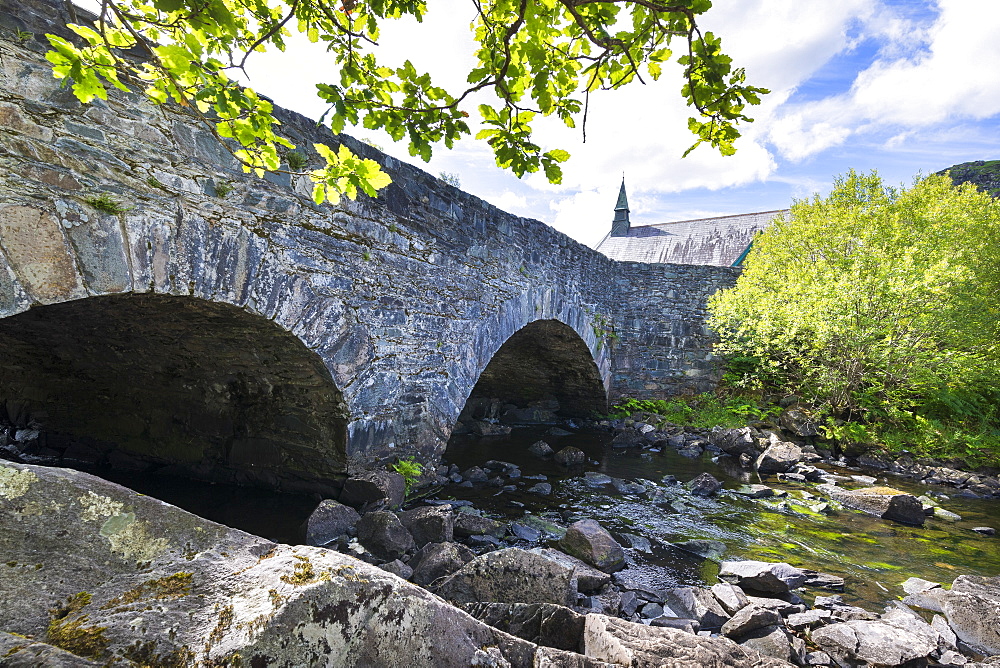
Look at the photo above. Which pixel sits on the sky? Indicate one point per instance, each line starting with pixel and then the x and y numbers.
pixel 899 86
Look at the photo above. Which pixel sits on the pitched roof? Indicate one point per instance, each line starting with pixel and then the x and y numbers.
pixel 713 241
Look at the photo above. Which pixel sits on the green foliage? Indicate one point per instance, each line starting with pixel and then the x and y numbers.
pixel 154 182
pixel 880 307
pixel 534 59
pixel 223 188
pixel 451 179
pixel 23 36
pixel 410 469
pixel 705 410
pixel 296 161
pixel 106 203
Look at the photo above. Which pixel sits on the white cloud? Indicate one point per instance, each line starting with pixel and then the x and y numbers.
pixel 924 76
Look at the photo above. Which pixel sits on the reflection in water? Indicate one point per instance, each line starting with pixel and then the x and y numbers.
pixel 873 555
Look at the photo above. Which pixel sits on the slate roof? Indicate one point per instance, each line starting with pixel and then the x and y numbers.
pixel 713 241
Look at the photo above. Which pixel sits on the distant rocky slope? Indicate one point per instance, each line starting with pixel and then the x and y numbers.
pixel 983 173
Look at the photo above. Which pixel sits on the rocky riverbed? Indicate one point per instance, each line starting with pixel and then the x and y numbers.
pixel 574 548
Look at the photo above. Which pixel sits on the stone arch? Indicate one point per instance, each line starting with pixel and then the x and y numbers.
pixel 63 262
pixel 542 344
pixel 188 386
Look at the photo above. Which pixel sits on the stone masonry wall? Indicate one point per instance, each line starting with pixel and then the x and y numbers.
pixel 404 297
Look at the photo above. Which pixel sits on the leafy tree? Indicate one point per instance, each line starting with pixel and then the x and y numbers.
pixel 539 57
pixel 880 305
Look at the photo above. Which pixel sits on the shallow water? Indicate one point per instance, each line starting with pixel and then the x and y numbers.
pixel 874 556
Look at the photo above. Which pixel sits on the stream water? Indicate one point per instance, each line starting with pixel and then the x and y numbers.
pixel 874 556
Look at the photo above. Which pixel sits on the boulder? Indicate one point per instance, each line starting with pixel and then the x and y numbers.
pixel 511 576
pixel 704 485
pixel 330 520
pixel 475 474
pixel 384 535
pixel 749 618
pixel 799 422
pixel 485 428
pixel 590 542
pixel 126 579
pixel 730 597
pixel 397 568
pixel 774 641
pixel 541 623
pixel 696 603
pixel 704 548
pixel 21 652
pixel 779 457
pixel 467 524
pixel 541 449
pixel 588 578
pixel 377 488
pixel 429 524
pixel 890 641
pixel 736 442
pixel 972 608
pixel 884 502
pixel 623 643
pixel 762 576
pixel 437 560
pixel 570 456
pixel 541 489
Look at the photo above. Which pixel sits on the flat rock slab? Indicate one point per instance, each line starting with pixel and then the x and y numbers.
pixel 884 502
pixel 762 576
pixel 205 592
pixel 511 576
pixel 972 608
pixel 626 644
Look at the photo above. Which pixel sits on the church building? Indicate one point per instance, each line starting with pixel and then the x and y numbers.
pixel 722 241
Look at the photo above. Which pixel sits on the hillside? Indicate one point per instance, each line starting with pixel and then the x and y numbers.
pixel 983 173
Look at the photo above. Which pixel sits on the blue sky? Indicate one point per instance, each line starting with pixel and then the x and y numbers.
pixel 898 86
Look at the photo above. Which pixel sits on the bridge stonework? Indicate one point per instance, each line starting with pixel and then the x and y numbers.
pixel 401 300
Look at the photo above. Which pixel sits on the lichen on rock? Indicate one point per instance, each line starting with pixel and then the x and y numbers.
pixel 14 483
pixel 131 538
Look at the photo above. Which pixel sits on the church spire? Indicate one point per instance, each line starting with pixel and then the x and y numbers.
pixel 620 225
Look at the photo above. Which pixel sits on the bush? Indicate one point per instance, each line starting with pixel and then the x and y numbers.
pixel 879 307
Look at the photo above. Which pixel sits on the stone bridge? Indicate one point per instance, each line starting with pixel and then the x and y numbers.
pixel 226 327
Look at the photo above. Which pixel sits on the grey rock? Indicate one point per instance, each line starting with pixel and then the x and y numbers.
pixel 541 489
pixel 397 568
pixel 707 549
pixel 22 652
pixel 476 474
pixel 467 524
pixel 799 422
pixel 687 625
pixel 730 597
pixel 918 585
pixel 639 646
pixel 595 479
pixel 511 576
pixel 817 659
pixel 773 641
pixel 437 560
pixel 972 608
pixel 121 549
pixel 782 607
pixel 986 531
pixel 890 641
pixel 590 542
pixel 762 576
pixel 800 621
pixel 652 610
pixel 779 457
pixel 589 579
pixel 540 623
pixel 525 532
pixel 755 491
pixel 640 543
pixel 704 485
pixel 570 456
pixel 946 515
pixel 384 535
pixel 696 603
pixel 374 489
pixel 736 441
pixel 884 502
pixel 749 618
pixel 627 487
pixel 823 580
pixel 541 449
pixel 429 524
pixel 330 520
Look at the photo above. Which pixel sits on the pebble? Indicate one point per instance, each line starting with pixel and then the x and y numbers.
pixel 986 531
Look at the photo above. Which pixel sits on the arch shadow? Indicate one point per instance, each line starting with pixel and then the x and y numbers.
pixel 178 385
